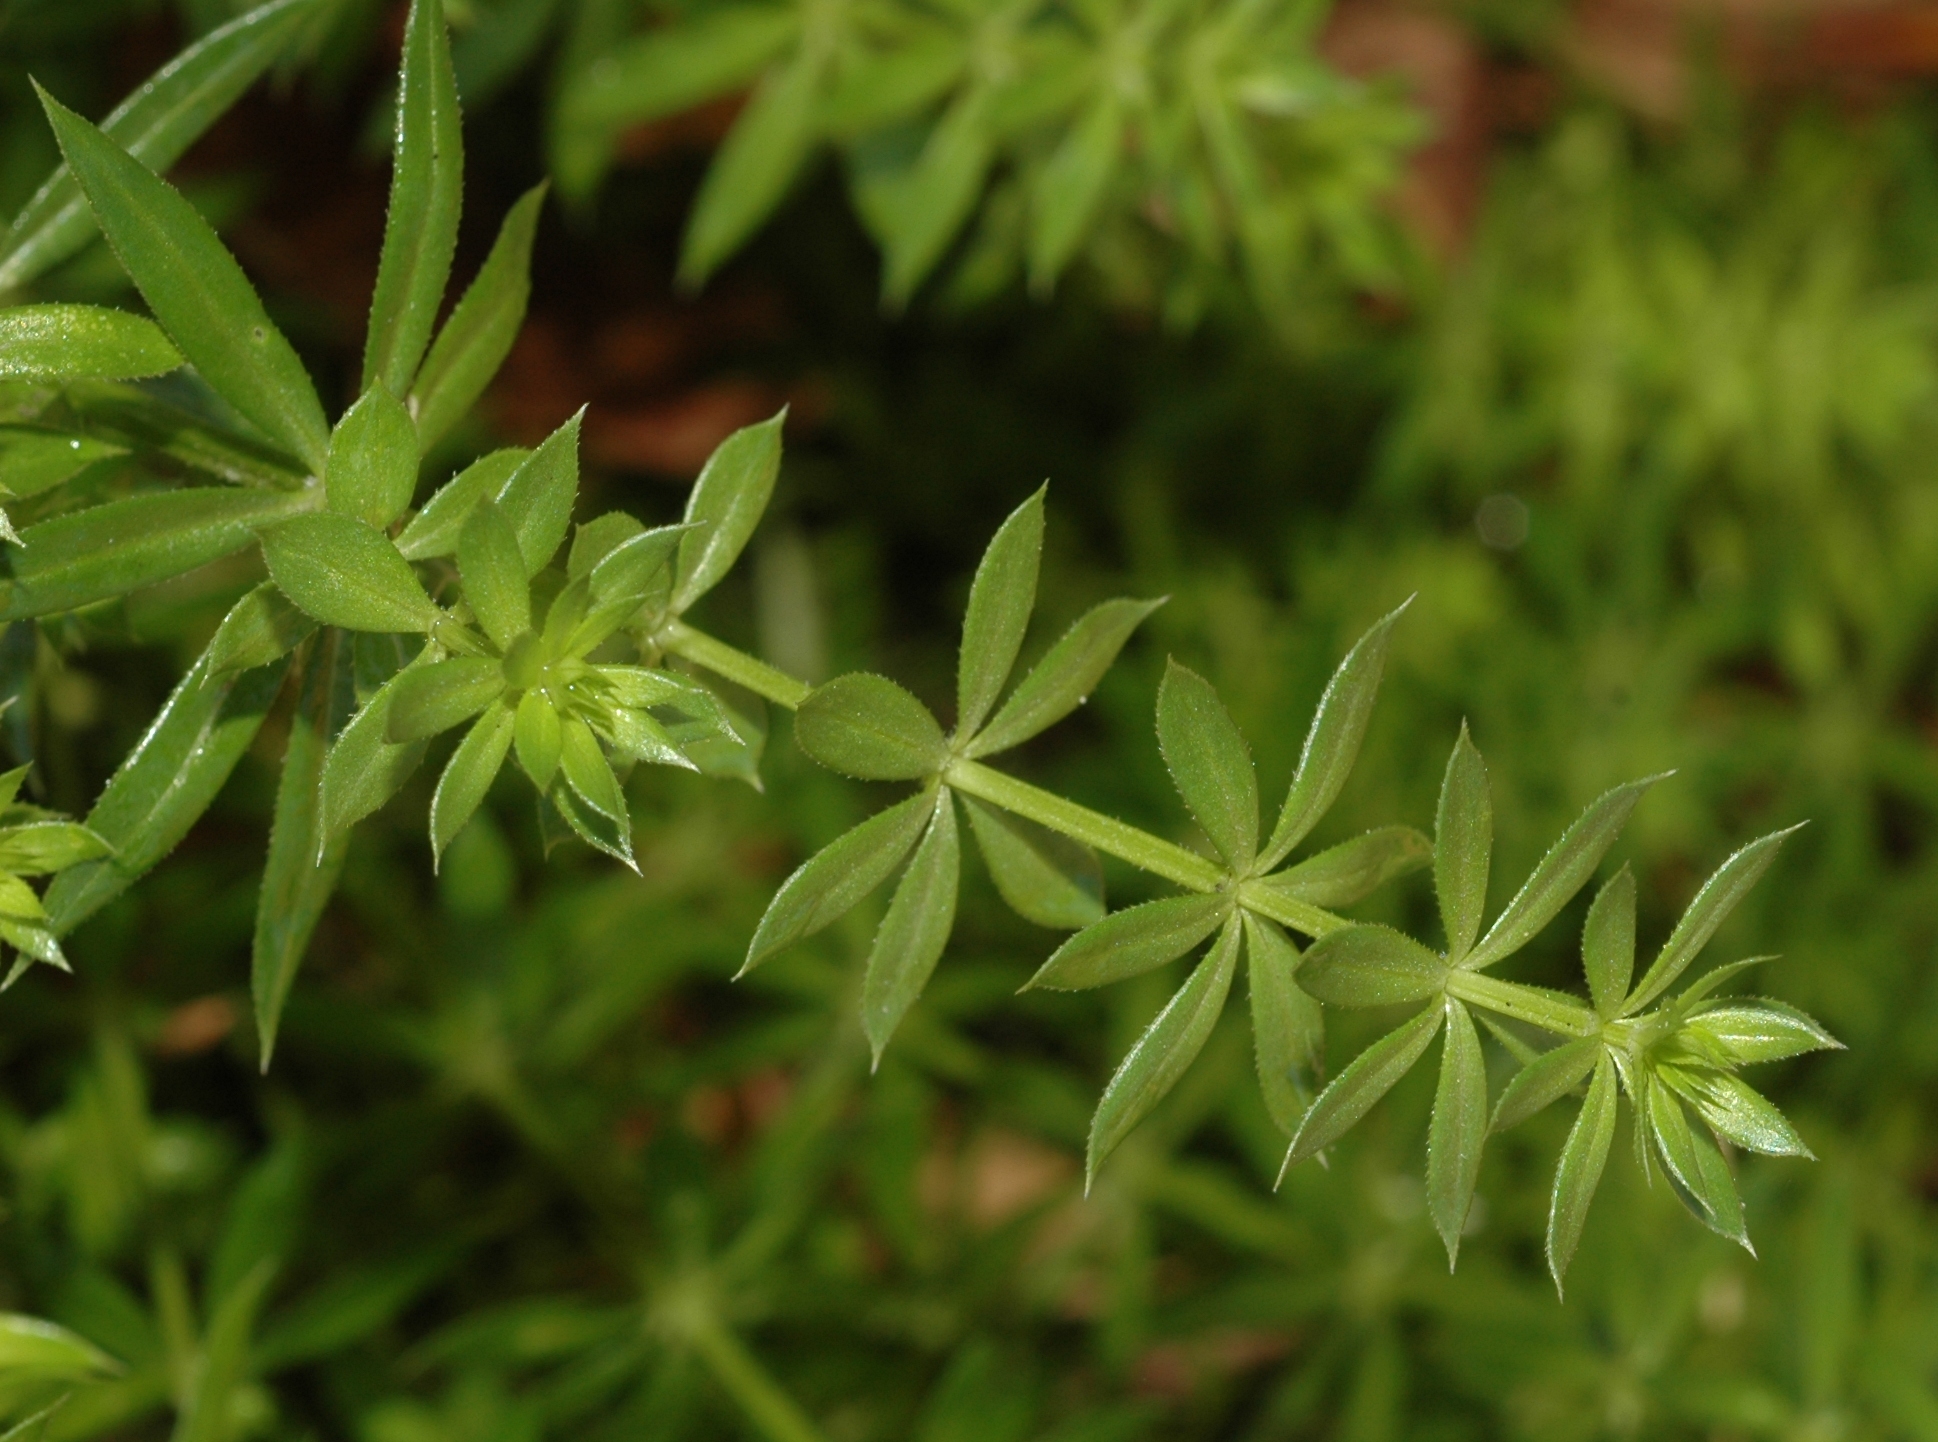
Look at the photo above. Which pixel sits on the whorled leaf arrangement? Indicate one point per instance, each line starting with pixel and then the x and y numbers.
pixel 389 626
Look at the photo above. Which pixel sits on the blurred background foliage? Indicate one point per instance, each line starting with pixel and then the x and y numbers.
pixel 1607 328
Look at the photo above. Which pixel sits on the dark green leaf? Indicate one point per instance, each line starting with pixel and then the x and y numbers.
pixel 137 419
pixel 159 120
pixel 1070 186
pixel 1353 869
pixel 1044 876
pixel 109 550
pixel 1711 906
pixel 82 342
pixel 33 459
pixel 345 572
pixel 263 626
pixel 1463 844
pixel 365 768
pixel 434 530
pixel 1548 1078
pixel 37 848
pixel 1064 678
pixel 1332 743
pixel 1209 763
pixel 920 917
pixel 1288 1028
pixel 222 1364
pixel 828 885
pixel 1560 874
pixel 493 572
pixel 538 498
pixel 1000 601
pixel 1608 943
pixel 425 700
pixel 1751 1032
pixel 1164 1052
pixel 594 540
pixel 195 289
pixel 426 192
pixel 866 726
pixel 1580 1169
pixel 726 504
pixel 468 776
pixel 1130 942
pixel 478 336
pixel 1371 966
pixel 1367 1078
pixel 1458 1130
pixel 302 868
pixel 373 460
pixel 753 167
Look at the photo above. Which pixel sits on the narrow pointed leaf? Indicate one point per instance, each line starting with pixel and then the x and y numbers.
pixel 1288 1028
pixel 1688 1001
pixel 35 459
pixel 726 504
pixel 38 1350
pixel 1579 1171
pixel 1608 943
pixel 1560 874
pixel 82 342
pixel 434 530
pixel 138 419
pixel 1367 1078
pixel 38 848
pixel 1462 846
pixel 587 771
pixel 1695 1166
pixel 195 289
pixel 223 1360
pixel 365 768
pixel 373 460
pixel 1064 678
pixel 1044 876
pixel 913 933
pixel 1332 744
pixel 830 883
pixel 1353 869
pixel 1131 942
pixel 302 867
pixel 752 169
pixel 1371 966
pixel 594 826
pixel 345 572
pixel 426 700
pixel 263 626
pixel 1070 186
pixel 1710 908
pixel 476 339
pixel 1736 1110
pixel 1546 1079
pixel 1000 602
pixel 1209 763
pixel 468 775
pixel 538 498
pixel 1458 1130
pixel 426 191
pixel 866 726
pixel 539 737
pixel 1165 1051
pixel 493 572
pixel 1762 1031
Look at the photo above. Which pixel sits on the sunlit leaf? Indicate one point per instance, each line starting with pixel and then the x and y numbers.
pixel 1608 943
pixel 82 342
pixel 468 775
pixel 345 572
pixel 1712 905
pixel 726 504
pixel 373 460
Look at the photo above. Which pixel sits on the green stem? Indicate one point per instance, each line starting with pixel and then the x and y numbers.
pixel 1301 916
pixel 775 1414
pixel 1546 1009
pixel 1141 849
pixel 736 666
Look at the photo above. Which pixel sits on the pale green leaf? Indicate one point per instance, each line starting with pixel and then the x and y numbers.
pixel 38 848
pixel 345 572
pixel 493 572
pixel 538 737
pixel 1209 763
pixel 1760 1031
pixel 1371 966
pixel 919 210
pixel 1000 601
pixel 33 1349
pixel 1735 1110
pixel 82 342
pixel 264 626
pixel 753 168
pixel 373 460
pixel 1608 943
pixel 1712 905
pixel 1579 1171
pixel 434 530
pixel 468 775
pixel 1069 187
pixel 1353 869
pixel 425 700
pixel 34 459
pixel 365 768
pixel 1547 1078
pixel 920 916
pixel 538 497
pixel 1694 1164
pixel 726 504
pixel 1130 942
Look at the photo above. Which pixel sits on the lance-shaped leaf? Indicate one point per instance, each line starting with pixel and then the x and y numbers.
pixel 373 460
pixel 1608 943
pixel 35 459
pixel 32 1349
pixel 493 572
pixel 222 1360
pixel 830 883
pixel 1044 876
pixel 1710 908
pixel 109 550
pixel 1735 1110
pixel 159 120
pixel 165 784
pixel 726 504
pixel 1353 869
pixel 1462 846
pixel 434 530
pixel 1209 763
pixel 1688 1002
pixel 1070 186
pixel 753 167
pixel 1548 1078
pixel 302 867
pixel 24 926
pixel 866 726
pixel 1458 1130
pixel 82 342
pixel 426 190
pixel 1164 1052
pixel 587 772
pixel 1367 1078
pixel 1064 678
pixel 1332 744
pixel 195 289
pixel 1579 1171
pixel 428 699
pixel 1750 1032
pixel 594 540
pixel 346 573
pixel 1560 874
pixel 1371 966
pixel 468 776
pixel 1000 601
pixel 264 626
pixel 478 336
pixel 138 419
pixel 1288 1029
pixel 1695 1165
pixel 365 768
pixel 538 497
pixel 538 736
pixel 38 848
pixel 920 917
pixel 1131 942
